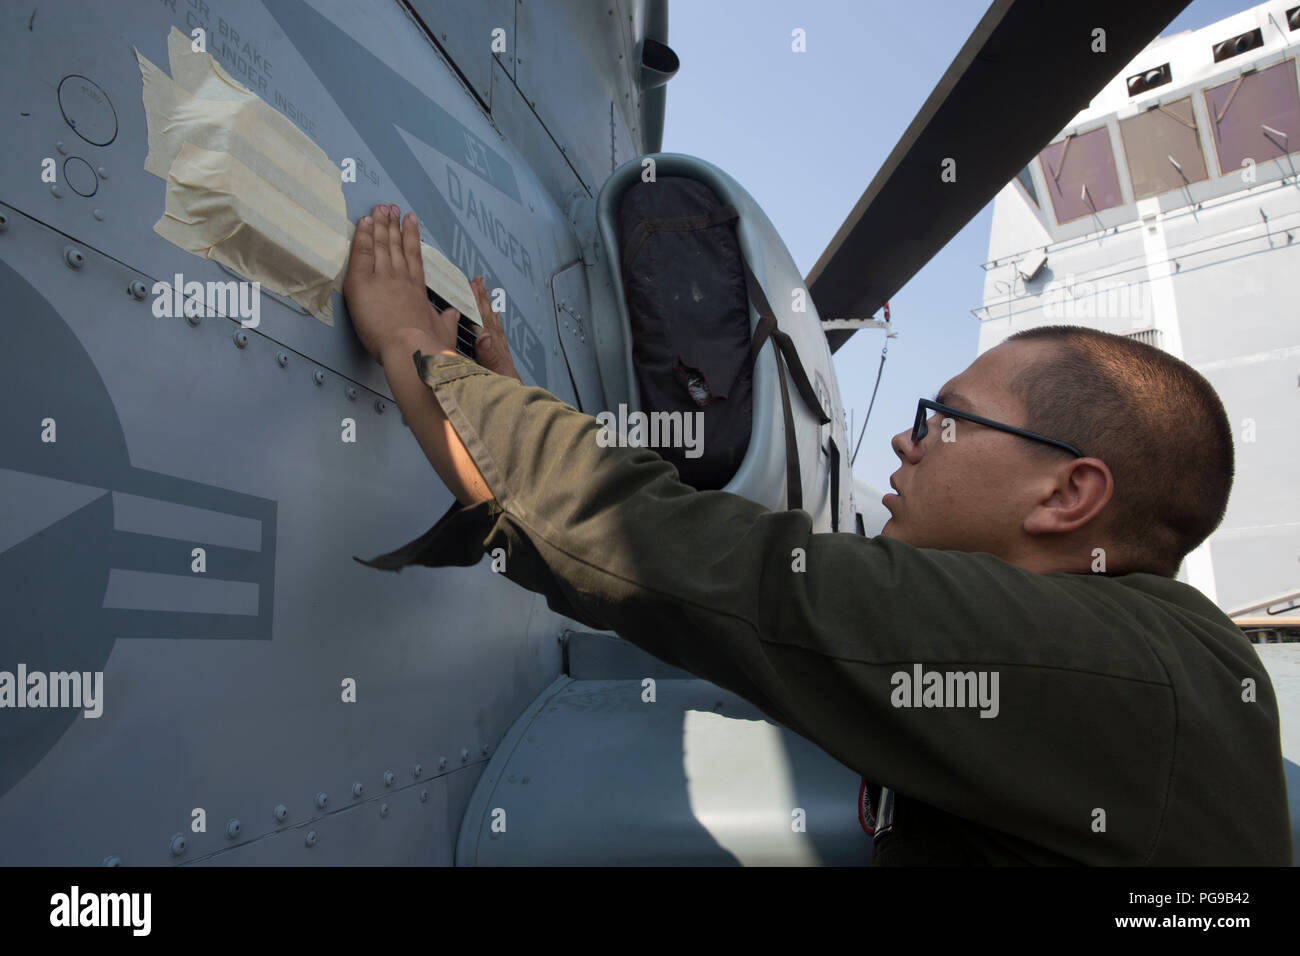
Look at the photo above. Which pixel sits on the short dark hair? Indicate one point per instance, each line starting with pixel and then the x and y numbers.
pixel 1153 419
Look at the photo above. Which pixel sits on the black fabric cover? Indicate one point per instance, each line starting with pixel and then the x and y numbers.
pixel 684 283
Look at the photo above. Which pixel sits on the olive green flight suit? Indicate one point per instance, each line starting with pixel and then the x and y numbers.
pixel 1134 723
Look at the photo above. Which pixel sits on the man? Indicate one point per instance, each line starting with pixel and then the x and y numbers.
pixel 1011 656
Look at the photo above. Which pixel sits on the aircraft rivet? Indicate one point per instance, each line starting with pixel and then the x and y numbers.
pixel 99 214
pixel 311 838
pixel 193 319
pixel 137 289
pixel 103 173
pixel 241 339
pixel 282 358
pixel 388 778
pixel 464 755
pixel 63 150
pixel 383 810
pixel 321 800
pixel 417 770
pixel 380 405
pixel 280 813
pixel 73 257
pixel 318 377
pixel 357 789
pixel 232 828
pixel 112 861
pixel 442 763
pixel 177 846
pixel 4 222
pixel 56 191
pixel 486 748
pixel 424 796
pixel 352 392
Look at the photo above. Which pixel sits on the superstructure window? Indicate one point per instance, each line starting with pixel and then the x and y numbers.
pixel 1236 46
pixel 1080 175
pixel 1149 79
pixel 1255 117
pixel 1162 147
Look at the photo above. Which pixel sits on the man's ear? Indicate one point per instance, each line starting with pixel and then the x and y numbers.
pixel 1079 493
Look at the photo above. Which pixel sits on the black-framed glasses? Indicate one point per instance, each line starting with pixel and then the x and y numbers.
pixel 920 428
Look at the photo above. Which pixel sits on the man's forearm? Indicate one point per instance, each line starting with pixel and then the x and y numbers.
pixel 425 417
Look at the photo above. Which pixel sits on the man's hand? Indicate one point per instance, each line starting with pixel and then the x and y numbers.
pixel 385 288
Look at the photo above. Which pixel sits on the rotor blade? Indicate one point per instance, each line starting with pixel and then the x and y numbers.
pixel 1025 71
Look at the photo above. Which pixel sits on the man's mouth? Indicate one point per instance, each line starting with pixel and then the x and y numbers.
pixel 888 498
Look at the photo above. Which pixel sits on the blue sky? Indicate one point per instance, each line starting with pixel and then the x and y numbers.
pixel 805 134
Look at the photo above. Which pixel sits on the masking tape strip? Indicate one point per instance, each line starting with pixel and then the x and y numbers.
pixel 449 282
pixel 248 189
pixel 228 127
pixel 220 209
pixel 202 76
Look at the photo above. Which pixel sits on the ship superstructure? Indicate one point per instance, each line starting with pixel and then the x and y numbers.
pixel 1169 210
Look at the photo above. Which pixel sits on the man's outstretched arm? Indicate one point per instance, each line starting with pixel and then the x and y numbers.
pixel 393 318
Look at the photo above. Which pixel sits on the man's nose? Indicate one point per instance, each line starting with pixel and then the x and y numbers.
pixel 905 448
